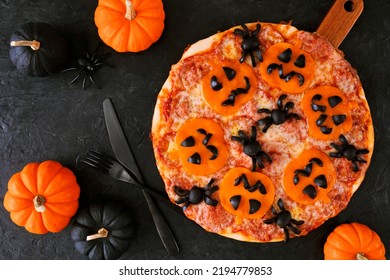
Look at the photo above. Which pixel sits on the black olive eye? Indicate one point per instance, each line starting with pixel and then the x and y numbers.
pixel 235 201
pixel 254 206
pixel 229 72
pixel 195 159
pixel 311 191
pixel 188 142
pixel 339 119
pixel 300 62
pixel 215 84
pixel 334 101
pixel 285 56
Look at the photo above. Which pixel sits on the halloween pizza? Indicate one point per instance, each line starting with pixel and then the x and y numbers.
pixel 262 132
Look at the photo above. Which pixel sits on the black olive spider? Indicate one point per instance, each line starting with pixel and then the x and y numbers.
pixel 284 220
pixel 250 44
pixel 252 148
pixel 196 195
pixel 88 65
pixel 349 152
pixel 278 115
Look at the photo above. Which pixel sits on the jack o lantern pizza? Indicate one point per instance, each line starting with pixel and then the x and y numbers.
pixel 262 132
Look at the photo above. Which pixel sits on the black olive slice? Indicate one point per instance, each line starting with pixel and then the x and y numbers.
pixel 301 61
pixel 326 130
pixel 207 139
pixel 262 189
pixel 301 172
pixel 316 161
pixel 194 159
pixel 289 76
pixel 321 119
pixel 210 201
pixel 301 79
pixel 339 119
pixel 237 181
pixel 255 186
pixel 272 67
pixel 334 100
pixel 317 108
pixel 229 72
pixel 311 191
pixel 316 97
pixel 285 56
pixel 296 179
pixel 213 150
pixel 202 131
pixel 245 181
pixel 235 201
pixel 188 142
pixel 321 181
pixel 309 168
pixel 254 206
pixel 215 84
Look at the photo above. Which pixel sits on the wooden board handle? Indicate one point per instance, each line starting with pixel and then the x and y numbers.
pixel 339 20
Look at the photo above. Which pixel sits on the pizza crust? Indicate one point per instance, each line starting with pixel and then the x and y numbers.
pixel 164 124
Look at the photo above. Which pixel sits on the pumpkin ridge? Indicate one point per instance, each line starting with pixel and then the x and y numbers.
pixel 145 30
pixel 53 221
pixel 17 188
pixel 114 35
pixel 13 203
pixel 66 209
pixel 29 177
pixel 42 175
pixel 20 217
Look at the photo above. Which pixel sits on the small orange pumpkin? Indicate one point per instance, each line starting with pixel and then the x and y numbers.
pixel 42 197
pixel 129 26
pixel 354 241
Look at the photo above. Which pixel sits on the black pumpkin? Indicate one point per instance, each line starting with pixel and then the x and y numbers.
pixel 38 50
pixel 103 230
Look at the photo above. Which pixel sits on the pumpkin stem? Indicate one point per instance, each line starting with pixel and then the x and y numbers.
pixel 39 202
pixel 360 256
pixel 102 233
pixel 130 12
pixel 35 45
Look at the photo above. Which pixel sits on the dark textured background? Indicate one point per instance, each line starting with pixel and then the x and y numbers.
pixel 46 118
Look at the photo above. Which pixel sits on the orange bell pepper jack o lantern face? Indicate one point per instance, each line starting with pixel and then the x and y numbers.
pixel 310 177
pixel 201 146
pixel 328 112
pixel 246 194
pixel 228 86
pixel 287 67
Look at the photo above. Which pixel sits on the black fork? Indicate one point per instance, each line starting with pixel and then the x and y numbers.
pixel 117 171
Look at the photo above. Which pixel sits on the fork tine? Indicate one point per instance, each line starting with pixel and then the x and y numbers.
pixel 100 157
pixel 94 159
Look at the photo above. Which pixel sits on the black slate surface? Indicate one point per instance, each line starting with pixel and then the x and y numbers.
pixel 47 118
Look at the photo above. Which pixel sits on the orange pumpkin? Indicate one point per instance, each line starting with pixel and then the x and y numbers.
pixel 129 26
pixel 354 241
pixel 42 197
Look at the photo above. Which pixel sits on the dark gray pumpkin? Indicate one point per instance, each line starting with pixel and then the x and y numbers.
pixel 109 226
pixel 36 49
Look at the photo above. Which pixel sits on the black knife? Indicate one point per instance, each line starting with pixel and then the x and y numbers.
pixel 124 155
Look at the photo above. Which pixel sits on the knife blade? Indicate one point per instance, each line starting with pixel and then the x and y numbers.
pixel 125 156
